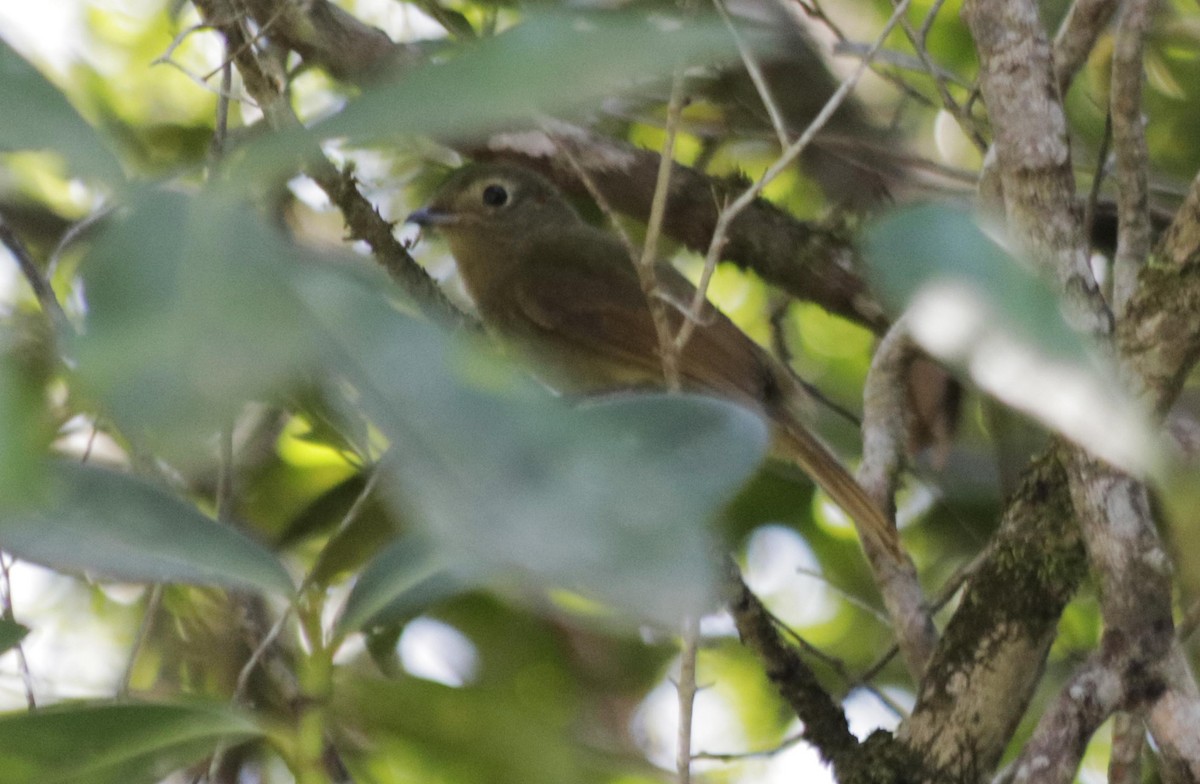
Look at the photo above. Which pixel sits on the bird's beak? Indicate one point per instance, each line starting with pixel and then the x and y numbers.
pixel 429 216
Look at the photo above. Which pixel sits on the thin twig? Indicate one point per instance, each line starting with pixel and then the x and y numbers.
pixel 927 23
pixel 943 597
pixel 965 121
pixel 843 44
pixel 779 346
pixel 849 598
pixel 685 689
pixel 153 602
pixel 649 284
pixel 37 281
pixel 73 233
pixel 6 611
pixel 838 666
pixel 668 353
pixel 756 77
pixel 905 62
pixel 725 219
pixel 200 79
pixel 221 131
pixel 784 745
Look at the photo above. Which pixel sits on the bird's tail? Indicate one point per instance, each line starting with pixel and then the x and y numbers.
pixel 796 443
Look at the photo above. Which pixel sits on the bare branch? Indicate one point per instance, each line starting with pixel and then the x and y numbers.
pixel 1053 754
pixel 1031 152
pixel 362 220
pixel 778 123
pixel 1128 740
pixel 1129 146
pixel 885 435
pixel 325 34
pixel 999 635
pixel 1174 717
pixel 1080 29
pixel 825 725
pixel 37 281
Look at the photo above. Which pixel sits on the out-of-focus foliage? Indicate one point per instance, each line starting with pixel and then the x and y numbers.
pixel 969 303
pixel 408 480
pixel 110 744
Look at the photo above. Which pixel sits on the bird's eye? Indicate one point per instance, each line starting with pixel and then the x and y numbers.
pixel 495 196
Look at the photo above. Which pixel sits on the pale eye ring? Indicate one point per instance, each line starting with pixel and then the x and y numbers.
pixel 495 196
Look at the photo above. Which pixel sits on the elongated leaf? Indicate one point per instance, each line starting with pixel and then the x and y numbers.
pixel 407 576
pixel 114 525
pixel 112 743
pixel 549 64
pixel 38 117
pixel 971 304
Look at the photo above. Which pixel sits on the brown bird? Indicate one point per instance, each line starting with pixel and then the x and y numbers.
pixel 565 296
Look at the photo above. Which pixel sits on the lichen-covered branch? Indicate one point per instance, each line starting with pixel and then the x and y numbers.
pixel 1133 157
pixel 825 724
pixel 1033 158
pixel 990 658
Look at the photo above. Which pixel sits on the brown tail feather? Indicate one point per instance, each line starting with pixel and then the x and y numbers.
pixel 796 443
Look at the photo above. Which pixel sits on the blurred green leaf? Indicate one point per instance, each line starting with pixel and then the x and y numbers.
pixel 38 117
pixel 551 63
pixel 114 525
pixel 189 316
pixel 612 499
pixel 405 578
pixel 506 733
pixel 371 529
pixel 195 307
pixel 968 302
pixel 23 436
pixel 112 743
pixel 11 634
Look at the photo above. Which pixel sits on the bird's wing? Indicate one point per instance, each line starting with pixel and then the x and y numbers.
pixel 582 293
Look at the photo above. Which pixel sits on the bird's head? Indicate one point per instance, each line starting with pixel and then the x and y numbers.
pixel 494 201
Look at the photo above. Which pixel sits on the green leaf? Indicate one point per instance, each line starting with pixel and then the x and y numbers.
pixel 405 578
pixel 24 434
pixel 77 743
pixel 11 634
pixel 969 303
pixel 611 500
pixel 372 528
pixel 550 64
pixel 189 317
pixel 117 526
pixel 38 117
